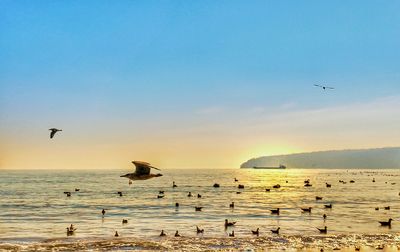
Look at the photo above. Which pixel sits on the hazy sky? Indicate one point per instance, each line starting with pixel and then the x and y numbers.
pixel 194 83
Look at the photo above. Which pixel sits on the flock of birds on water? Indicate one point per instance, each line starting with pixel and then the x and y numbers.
pixel 228 224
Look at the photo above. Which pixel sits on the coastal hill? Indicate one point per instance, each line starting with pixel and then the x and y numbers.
pixel 362 158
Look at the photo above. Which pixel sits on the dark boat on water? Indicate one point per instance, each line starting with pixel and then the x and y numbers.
pixel 270 167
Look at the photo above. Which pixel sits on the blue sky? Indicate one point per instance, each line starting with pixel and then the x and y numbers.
pixel 131 72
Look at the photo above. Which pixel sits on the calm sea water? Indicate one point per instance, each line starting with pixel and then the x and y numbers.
pixel 34 209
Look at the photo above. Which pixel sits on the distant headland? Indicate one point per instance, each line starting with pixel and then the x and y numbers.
pixel 358 158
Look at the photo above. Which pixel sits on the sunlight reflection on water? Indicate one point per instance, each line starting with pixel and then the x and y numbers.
pixel 33 206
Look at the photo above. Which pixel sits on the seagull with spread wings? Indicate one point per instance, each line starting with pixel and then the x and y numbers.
pixel 323 87
pixel 142 171
pixel 53 132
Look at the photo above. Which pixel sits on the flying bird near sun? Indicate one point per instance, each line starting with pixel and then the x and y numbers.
pixel 323 87
pixel 142 171
pixel 53 132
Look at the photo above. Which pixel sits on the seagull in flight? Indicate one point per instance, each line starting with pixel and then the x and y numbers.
pixel 323 87
pixel 142 171
pixel 53 132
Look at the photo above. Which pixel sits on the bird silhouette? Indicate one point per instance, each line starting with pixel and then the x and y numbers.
pixel 306 209
pixel 275 211
pixel 199 231
pixel 256 232
pixel 323 230
pixel 386 223
pixel 276 231
pixel 229 224
pixel 142 171
pixel 323 87
pixel 53 132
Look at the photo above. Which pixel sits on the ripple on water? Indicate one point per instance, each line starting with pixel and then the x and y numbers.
pixel 33 205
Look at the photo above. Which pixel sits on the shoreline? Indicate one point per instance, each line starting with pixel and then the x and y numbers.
pixel 366 242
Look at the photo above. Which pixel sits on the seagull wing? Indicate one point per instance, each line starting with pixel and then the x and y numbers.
pixel 155 168
pixel 142 168
pixel 329 87
pixel 52 133
pixel 318 85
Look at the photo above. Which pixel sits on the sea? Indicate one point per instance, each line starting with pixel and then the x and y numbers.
pixel 35 211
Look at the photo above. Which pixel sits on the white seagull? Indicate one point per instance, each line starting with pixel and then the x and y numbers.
pixel 53 132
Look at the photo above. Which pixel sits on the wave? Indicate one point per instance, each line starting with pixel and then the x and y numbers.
pixel 390 242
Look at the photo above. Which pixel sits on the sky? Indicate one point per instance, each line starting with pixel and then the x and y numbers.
pixel 194 84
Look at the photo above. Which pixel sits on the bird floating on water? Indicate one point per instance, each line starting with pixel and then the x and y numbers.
pixel 53 132
pixel 386 223
pixel 199 231
pixel 323 87
pixel 124 221
pixel 177 234
pixel 232 205
pixel 276 231
pixel 323 230
pixel 70 230
pixel 256 232
pixel 307 209
pixel 229 224
pixel 116 234
pixel 163 233
pixel 232 234
pixel 103 212
pixel 275 211
pixel 198 209
pixel 142 171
